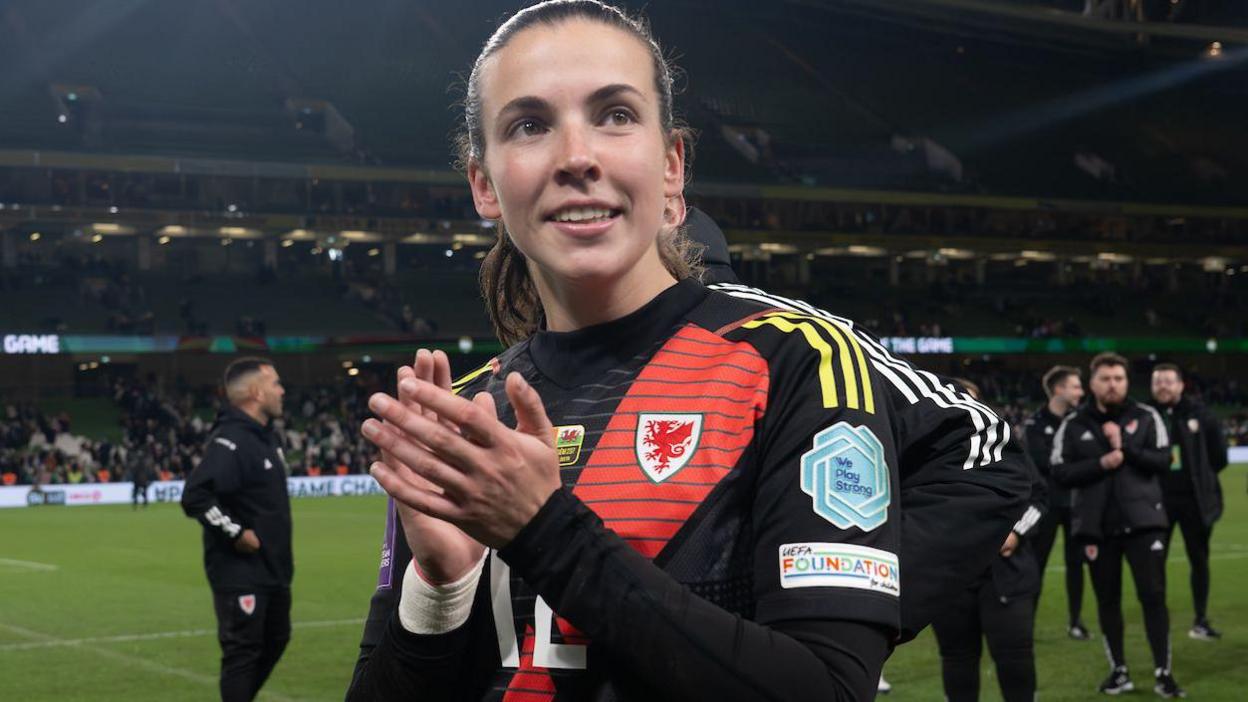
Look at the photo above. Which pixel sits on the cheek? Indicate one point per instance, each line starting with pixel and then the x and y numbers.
pixel 643 179
pixel 517 181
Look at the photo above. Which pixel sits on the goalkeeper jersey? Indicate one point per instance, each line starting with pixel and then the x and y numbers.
pixel 733 522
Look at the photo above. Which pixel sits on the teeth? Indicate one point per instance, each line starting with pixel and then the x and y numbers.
pixel 581 214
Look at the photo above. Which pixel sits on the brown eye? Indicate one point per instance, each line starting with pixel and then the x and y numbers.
pixel 620 117
pixel 527 127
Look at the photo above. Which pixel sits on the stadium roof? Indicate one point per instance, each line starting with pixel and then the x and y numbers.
pixel 1003 97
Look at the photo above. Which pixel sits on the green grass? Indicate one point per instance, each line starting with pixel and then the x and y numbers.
pixel 125 574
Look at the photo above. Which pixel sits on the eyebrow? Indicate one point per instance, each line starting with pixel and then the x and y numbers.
pixel 533 103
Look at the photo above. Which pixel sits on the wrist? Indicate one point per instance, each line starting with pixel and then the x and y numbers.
pixel 425 608
pixel 443 574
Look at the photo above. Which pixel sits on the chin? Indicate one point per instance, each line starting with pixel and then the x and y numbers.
pixel 599 269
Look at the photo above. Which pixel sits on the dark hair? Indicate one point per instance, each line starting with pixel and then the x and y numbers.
pixel 1108 358
pixel 1169 367
pixel 1056 376
pixel 510 297
pixel 243 366
pixel 970 387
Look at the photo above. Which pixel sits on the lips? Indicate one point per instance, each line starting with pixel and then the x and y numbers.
pixel 585 220
pixel 579 215
pixel 584 210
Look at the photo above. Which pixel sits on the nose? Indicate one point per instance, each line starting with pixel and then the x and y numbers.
pixel 577 161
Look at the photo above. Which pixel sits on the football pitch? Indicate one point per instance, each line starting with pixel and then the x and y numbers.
pixel 103 603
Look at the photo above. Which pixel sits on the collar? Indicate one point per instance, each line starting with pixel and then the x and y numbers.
pixel 233 416
pixel 581 356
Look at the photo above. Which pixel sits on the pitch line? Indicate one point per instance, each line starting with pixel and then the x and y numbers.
pixel 53 642
pixel 8 564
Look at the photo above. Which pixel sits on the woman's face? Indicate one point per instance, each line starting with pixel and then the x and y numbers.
pixel 576 161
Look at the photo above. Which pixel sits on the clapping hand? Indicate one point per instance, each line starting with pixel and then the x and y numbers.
pixel 451 460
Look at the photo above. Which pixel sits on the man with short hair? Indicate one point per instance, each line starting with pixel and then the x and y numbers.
pixel 1112 452
pixel 1064 388
pixel 238 493
pixel 1193 495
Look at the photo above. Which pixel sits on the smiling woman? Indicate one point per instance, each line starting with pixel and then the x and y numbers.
pixel 586 94
pixel 610 508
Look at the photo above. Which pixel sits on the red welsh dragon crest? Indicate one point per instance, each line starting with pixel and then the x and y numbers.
pixel 665 442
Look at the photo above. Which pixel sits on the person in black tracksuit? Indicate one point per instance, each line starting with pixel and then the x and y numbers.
pixel 238 493
pixel 1064 388
pixel 141 476
pixel 999 606
pixel 1193 493
pixel 1112 452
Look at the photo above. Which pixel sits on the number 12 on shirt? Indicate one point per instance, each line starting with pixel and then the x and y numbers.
pixel 546 653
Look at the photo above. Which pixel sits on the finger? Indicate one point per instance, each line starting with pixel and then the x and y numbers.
pixel 485 401
pixel 406 372
pixel 407 473
pixel 473 422
pixel 418 459
pixel 422 369
pixel 441 370
pixel 419 499
pixel 463 449
pixel 530 413
pixel 422 364
pixel 438 373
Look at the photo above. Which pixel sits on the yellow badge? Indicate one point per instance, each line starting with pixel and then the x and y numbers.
pixel 568 441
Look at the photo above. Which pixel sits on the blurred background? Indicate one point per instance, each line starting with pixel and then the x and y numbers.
pixel 991 186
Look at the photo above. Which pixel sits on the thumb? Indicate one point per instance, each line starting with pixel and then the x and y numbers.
pixel 531 416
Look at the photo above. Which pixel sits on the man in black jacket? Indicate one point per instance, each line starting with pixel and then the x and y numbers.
pixel 1064 388
pixel 999 606
pixel 238 492
pixel 1193 494
pixel 1112 452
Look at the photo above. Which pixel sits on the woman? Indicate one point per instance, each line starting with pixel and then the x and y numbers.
pixel 659 491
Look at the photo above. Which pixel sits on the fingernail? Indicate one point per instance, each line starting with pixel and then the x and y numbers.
pixel 408 386
pixel 373 469
pixel 370 428
pixel 379 402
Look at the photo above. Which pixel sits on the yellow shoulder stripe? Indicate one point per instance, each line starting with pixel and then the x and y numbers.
pixel 849 357
pixel 463 381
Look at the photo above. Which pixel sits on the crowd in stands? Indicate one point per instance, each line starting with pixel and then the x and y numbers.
pixel 163 435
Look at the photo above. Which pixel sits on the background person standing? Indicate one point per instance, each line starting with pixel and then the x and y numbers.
pixel 1192 491
pixel 1112 451
pixel 1064 388
pixel 238 493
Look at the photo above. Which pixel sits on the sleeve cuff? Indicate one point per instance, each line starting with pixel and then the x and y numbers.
pixel 549 534
pixel 1027 521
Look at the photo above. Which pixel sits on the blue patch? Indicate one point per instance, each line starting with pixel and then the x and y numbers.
pixel 846 475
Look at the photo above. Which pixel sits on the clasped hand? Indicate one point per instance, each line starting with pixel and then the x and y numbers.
pixel 451 459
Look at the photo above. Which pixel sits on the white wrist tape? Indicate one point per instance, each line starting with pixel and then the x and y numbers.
pixel 437 609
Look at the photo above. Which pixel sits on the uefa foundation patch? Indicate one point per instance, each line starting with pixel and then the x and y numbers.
pixel 839 565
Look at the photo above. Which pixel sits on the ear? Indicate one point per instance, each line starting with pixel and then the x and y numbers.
pixel 675 211
pixel 674 169
pixel 483 195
